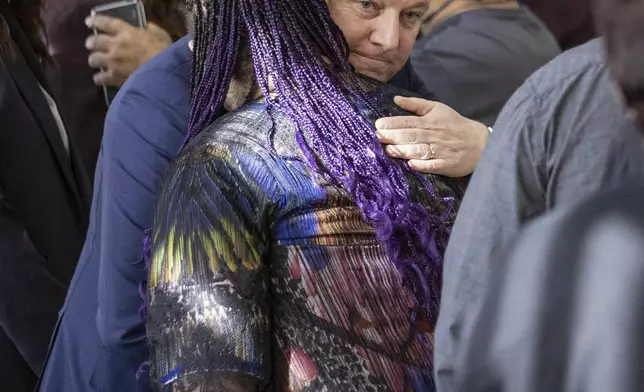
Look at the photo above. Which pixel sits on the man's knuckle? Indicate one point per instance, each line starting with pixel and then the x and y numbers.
pixel 410 137
pixel 410 123
pixel 106 58
pixel 424 152
pixel 123 39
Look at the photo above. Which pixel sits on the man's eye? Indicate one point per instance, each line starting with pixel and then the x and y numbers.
pixel 367 5
pixel 413 17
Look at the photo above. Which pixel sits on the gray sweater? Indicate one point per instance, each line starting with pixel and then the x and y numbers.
pixel 475 61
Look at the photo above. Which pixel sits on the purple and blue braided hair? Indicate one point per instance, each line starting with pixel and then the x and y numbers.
pixel 296 45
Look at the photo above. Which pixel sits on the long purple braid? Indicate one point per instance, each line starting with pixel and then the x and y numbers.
pixel 287 49
pixel 212 69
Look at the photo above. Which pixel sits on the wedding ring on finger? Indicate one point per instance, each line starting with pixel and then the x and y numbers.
pixel 432 151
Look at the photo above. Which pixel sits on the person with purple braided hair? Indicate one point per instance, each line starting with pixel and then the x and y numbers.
pixel 288 251
pixel 100 341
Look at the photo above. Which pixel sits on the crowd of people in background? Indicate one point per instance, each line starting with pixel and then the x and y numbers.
pixel 312 195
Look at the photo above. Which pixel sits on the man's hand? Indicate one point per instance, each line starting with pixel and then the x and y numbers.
pixel 437 140
pixel 121 48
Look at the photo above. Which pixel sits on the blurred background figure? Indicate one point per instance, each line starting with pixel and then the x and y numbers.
pixel 570 21
pixel 79 56
pixel 563 312
pixel 44 199
pixel 474 54
pixel 564 135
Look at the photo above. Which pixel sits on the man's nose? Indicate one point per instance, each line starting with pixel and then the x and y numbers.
pixel 386 31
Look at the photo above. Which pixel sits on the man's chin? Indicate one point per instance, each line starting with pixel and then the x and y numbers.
pixel 381 76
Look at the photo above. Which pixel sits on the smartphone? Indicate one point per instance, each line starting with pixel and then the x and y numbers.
pixel 132 12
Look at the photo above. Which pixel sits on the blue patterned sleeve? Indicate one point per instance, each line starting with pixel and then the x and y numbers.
pixel 209 318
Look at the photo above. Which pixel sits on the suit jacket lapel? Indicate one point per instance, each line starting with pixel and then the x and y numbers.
pixel 35 99
pixel 27 73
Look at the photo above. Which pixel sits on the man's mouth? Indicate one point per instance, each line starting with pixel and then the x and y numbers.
pixel 372 58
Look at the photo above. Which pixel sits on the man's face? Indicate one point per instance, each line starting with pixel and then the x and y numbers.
pixel 380 33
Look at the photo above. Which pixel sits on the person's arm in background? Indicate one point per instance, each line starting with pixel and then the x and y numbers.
pixel 28 292
pixel 506 189
pixel 144 129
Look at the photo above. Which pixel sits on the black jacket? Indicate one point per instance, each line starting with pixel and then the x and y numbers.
pixel 44 202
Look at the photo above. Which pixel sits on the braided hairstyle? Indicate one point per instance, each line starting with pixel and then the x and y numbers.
pixel 621 22
pixel 296 45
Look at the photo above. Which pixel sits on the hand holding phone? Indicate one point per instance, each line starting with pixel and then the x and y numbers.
pixel 122 42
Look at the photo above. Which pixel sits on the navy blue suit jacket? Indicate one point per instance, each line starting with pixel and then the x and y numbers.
pixel 100 341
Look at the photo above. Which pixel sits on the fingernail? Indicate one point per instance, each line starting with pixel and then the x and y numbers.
pixel 98 80
pixel 89 43
pixel 379 135
pixel 88 21
pixel 381 124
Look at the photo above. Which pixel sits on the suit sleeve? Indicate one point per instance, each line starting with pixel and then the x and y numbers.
pixel 28 319
pixel 144 129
